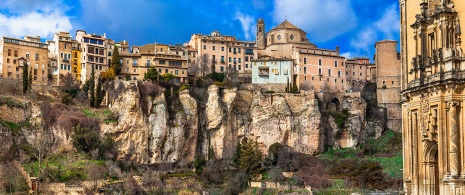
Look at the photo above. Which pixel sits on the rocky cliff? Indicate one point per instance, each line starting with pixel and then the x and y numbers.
pixel 216 125
pixel 158 126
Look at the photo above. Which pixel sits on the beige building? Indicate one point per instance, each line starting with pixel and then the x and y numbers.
pixel 94 53
pixel 61 49
pixel 223 52
pixel 314 68
pixel 359 71
pixel 433 69
pixel 15 52
pixel 388 73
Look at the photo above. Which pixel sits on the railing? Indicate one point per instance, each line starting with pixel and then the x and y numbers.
pixel 134 64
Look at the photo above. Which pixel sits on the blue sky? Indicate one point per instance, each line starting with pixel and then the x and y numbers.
pixel 354 25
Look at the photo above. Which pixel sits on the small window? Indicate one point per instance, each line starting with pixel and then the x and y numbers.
pixel 335 64
pixel 319 62
pixel 393 82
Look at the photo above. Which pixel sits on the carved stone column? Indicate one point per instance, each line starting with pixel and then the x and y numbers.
pixel 454 139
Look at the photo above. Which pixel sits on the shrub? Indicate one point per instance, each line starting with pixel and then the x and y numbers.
pixel 199 163
pixel 184 87
pixel 9 86
pixel 360 173
pixel 340 117
pixel 85 139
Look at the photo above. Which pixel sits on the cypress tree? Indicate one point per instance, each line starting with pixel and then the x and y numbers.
pixel 98 93
pixel 29 84
pixel 115 63
pixel 92 87
pixel 25 78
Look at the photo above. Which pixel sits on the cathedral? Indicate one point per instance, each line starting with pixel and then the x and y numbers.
pixel 433 94
pixel 321 69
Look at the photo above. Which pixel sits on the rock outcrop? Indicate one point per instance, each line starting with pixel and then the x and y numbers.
pixel 154 138
pixel 177 133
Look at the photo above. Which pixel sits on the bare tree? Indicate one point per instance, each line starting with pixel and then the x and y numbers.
pixel 95 172
pixel 307 86
pixel 42 143
pixel 201 66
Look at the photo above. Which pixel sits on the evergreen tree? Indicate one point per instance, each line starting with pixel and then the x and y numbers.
pixel 248 157
pixel 25 78
pixel 115 63
pixel 92 87
pixel 98 93
pixel 29 84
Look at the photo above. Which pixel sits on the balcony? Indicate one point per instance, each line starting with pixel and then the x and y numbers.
pixel 222 61
pixel 65 60
pixel 263 71
pixel 135 64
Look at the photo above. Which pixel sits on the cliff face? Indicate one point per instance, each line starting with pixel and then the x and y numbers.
pixel 154 138
pixel 227 116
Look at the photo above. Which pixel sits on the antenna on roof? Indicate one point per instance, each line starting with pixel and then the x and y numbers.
pixel 285 17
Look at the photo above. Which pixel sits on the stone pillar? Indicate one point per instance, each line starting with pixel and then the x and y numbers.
pixel 454 139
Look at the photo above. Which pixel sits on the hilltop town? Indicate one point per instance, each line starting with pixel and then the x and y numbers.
pixel 85 114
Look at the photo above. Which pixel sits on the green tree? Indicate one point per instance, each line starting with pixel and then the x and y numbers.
pixel 168 77
pixel 85 139
pixel 92 87
pixel 115 63
pixel 98 93
pixel 29 84
pixel 25 78
pixel 151 74
pixel 248 157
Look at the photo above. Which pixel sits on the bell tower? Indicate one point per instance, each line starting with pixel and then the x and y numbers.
pixel 261 40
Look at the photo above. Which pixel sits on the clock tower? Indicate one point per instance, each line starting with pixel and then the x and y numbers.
pixel 261 40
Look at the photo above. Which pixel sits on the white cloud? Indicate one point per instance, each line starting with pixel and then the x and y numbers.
pixel 364 40
pixel 247 23
pixel 389 22
pixel 322 20
pixel 347 55
pixel 34 19
pixel 386 27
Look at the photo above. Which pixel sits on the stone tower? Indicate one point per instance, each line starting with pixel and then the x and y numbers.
pixel 433 91
pixel 388 82
pixel 261 40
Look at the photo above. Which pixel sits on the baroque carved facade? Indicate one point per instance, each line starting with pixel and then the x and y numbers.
pixel 433 81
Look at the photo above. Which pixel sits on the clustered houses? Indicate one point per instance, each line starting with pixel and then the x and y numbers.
pixel 312 68
pixel 283 55
pixel 225 53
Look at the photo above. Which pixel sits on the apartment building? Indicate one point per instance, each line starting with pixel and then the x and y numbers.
pixel 15 52
pixel 225 53
pixel 160 56
pixel 64 50
pixel 94 52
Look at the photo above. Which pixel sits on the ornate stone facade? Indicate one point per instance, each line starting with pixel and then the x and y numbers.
pixel 433 81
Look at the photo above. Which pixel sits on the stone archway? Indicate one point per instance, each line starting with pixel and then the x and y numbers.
pixel 431 168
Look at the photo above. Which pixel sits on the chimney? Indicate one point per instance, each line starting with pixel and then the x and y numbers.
pixel 337 50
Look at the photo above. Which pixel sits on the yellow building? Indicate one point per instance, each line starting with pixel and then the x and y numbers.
pixel 76 60
pixel 433 77
pixel 15 52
